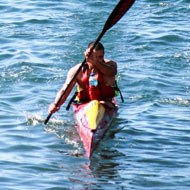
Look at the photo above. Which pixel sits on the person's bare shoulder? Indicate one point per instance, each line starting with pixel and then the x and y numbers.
pixel 110 62
pixel 73 70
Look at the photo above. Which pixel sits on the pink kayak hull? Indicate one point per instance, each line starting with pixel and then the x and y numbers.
pixel 89 137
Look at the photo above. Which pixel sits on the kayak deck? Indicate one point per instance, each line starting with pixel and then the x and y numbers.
pixel 93 120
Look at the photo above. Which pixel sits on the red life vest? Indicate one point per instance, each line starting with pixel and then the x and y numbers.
pixel 105 91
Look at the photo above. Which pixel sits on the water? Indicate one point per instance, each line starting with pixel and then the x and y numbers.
pixel 148 146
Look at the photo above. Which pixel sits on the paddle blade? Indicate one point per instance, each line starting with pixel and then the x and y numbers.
pixel 121 8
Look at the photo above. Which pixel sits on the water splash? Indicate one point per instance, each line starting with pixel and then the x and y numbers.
pixel 63 129
pixel 33 119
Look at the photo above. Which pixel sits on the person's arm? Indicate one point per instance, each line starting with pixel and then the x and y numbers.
pixel 53 108
pixel 108 68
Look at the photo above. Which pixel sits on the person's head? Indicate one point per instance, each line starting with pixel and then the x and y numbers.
pixel 98 47
pixel 98 50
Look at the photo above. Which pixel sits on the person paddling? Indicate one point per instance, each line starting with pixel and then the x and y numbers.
pixel 105 71
pixel 120 9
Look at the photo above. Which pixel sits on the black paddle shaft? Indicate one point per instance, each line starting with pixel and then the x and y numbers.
pixel 121 8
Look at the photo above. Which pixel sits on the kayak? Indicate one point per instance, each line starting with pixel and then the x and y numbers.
pixel 93 119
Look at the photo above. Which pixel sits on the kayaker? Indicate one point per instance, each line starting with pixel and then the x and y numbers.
pixel 104 69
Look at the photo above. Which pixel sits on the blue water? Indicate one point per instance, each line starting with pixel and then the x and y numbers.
pixel 149 143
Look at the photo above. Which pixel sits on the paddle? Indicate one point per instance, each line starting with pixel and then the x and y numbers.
pixel 121 8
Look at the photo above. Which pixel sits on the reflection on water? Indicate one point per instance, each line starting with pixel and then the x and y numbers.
pixel 100 171
pixel 102 168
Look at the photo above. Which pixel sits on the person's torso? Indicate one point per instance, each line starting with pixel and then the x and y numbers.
pixel 105 84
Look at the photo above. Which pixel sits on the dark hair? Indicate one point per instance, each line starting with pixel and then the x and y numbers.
pixel 99 46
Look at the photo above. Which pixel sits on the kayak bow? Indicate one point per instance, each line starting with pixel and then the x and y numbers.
pixel 93 120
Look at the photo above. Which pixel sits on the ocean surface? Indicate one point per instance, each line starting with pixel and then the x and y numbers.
pixel 148 145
